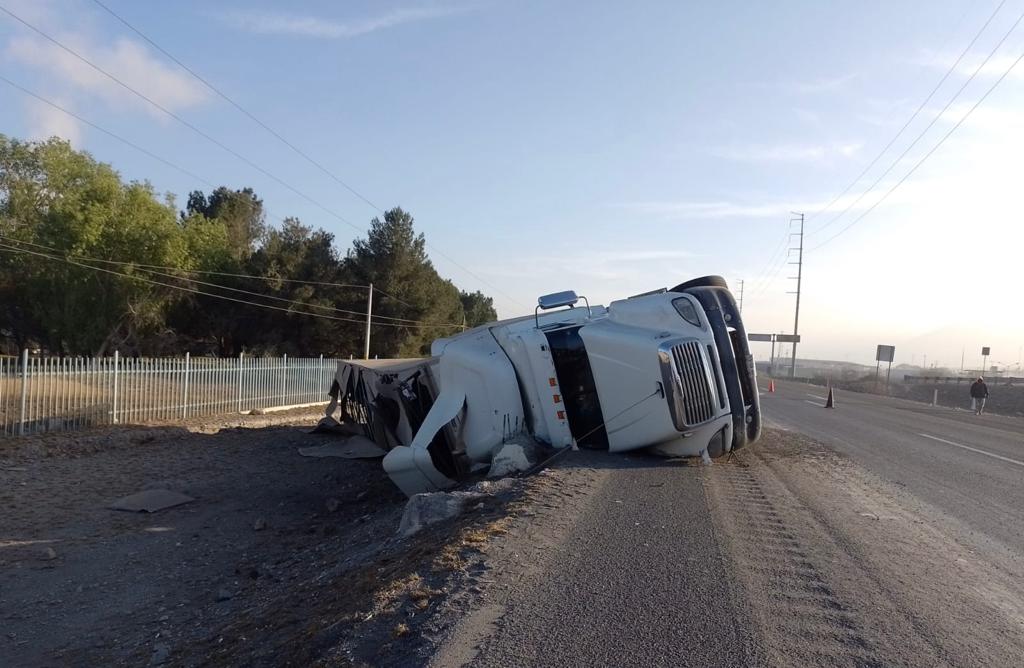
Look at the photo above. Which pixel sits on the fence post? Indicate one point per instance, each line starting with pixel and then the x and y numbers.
pixel 241 379
pixel 284 382
pixel 320 377
pixel 113 407
pixel 184 391
pixel 24 391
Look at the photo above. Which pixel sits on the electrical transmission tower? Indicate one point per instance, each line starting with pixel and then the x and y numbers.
pixel 797 217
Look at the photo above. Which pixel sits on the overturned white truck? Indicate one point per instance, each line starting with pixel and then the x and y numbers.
pixel 668 370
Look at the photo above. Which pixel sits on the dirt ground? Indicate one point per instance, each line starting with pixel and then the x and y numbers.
pixel 280 560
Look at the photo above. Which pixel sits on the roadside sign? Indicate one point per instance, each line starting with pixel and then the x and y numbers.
pixel 787 338
pixel 885 354
pixel 760 337
pixel 985 351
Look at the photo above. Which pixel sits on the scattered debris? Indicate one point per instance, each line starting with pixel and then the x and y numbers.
pixel 328 425
pixel 150 501
pixel 224 595
pixel 259 525
pixel 48 554
pixel 354 447
pixel 870 516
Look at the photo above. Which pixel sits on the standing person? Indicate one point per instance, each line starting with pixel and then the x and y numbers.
pixel 979 393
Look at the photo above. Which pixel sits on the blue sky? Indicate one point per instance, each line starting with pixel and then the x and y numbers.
pixel 605 147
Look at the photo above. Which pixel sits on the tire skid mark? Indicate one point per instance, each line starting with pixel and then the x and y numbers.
pixel 808 623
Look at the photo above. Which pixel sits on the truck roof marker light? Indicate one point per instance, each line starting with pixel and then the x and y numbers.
pixel 557 300
pixel 552 382
pixel 557 399
pixel 561 415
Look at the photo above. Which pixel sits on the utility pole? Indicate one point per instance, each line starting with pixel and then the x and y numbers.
pixel 741 294
pixel 799 281
pixel 369 312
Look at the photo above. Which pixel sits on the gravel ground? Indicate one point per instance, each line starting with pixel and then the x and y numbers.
pixel 789 554
pixel 280 560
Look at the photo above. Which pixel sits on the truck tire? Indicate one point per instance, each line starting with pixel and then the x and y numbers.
pixel 702 282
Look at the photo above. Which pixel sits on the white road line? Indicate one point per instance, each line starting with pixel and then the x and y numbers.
pixel 980 452
pixel 815 396
pixel 815 403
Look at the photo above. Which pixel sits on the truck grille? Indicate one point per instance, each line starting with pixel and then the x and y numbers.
pixel 698 394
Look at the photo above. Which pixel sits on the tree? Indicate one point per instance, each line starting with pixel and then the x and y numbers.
pixel 240 211
pixel 478 307
pixel 61 199
pixel 299 253
pixel 413 305
pixel 90 263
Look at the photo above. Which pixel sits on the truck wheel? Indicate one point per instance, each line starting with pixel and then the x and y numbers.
pixel 702 282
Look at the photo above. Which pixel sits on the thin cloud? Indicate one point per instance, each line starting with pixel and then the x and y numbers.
pixel 591 265
pixel 129 61
pixel 723 209
pixel 46 122
pixel 994 68
pixel 279 23
pixel 826 85
pixel 807 115
pixel 787 152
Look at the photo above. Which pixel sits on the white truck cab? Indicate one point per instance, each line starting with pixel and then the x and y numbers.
pixel 668 370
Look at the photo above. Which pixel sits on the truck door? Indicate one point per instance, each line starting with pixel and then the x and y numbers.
pixel 579 393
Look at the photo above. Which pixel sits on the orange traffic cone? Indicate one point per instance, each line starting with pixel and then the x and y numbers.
pixel 771 385
pixel 831 401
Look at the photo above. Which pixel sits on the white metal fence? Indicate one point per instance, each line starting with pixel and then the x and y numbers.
pixel 45 394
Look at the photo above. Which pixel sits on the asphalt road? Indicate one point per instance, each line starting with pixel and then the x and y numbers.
pixel 877 533
pixel 628 572
pixel 971 467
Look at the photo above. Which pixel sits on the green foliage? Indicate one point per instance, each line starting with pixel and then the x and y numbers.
pixel 239 211
pixel 58 198
pixel 478 307
pixel 393 257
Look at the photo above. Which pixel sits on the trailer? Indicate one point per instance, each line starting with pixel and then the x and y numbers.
pixel 669 371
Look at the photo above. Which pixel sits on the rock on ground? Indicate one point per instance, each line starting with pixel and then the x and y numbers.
pixel 429 508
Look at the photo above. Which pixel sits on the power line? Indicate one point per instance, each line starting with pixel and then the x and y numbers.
pixel 150 269
pixel 106 132
pixel 236 105
pixel 176 117
pixel 763 274
pixel 114 135
pixel 928 154
pixel 223 146
pixel 186 172
pixel 910 120
pixel 66 260
pixel 927 128
pixel 180 169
